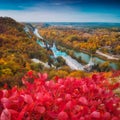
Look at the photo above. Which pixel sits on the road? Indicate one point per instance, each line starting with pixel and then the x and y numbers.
pixel 107 56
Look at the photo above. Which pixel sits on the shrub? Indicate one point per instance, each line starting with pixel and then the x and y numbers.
pixel 62 99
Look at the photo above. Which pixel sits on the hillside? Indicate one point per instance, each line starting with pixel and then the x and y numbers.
pixel 17 48
pixel 30 91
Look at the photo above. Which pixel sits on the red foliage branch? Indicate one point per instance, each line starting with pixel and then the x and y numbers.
pixel 64 99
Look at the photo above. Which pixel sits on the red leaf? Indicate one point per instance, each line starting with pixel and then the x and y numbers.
pixel 106 115
pixel 82 118
pixel 5 115
pixel 95 114
pixel 59 100
pixel 28 99
pixel 21 115
pixel 68 97
pixel 63 116
pixel 83 100
pixel 40 109
pixel 5 93
pixel 1 94
pixel 69 105
pixel 30 73
pixel 5 102
pixel 14 114
pixel 44 76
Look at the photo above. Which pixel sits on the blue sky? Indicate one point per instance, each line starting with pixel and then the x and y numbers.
pixel 61 10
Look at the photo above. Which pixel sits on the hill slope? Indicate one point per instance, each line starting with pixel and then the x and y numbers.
pixel 16 50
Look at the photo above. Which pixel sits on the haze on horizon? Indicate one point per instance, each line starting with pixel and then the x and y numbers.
pixel 61 11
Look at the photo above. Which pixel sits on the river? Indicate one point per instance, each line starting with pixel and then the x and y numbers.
pixel 72 63
pixel 86 58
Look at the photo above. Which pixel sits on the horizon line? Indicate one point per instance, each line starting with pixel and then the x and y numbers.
pixel 67 22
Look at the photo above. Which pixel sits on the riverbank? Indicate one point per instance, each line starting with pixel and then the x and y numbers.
pixel 93 55
pixel 85 57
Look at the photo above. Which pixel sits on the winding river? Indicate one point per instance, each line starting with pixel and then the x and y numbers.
pixel 86 58
pixel 72 63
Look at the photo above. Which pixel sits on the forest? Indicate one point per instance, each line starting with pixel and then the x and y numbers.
pixel 18 47
pixel 101 42
pixel 89 39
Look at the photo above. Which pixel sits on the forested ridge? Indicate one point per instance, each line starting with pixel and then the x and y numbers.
pixel 17 48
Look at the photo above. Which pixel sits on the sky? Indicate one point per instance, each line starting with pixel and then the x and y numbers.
pixel 61 10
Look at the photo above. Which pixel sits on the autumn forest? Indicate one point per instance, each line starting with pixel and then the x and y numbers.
pixel 59 72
